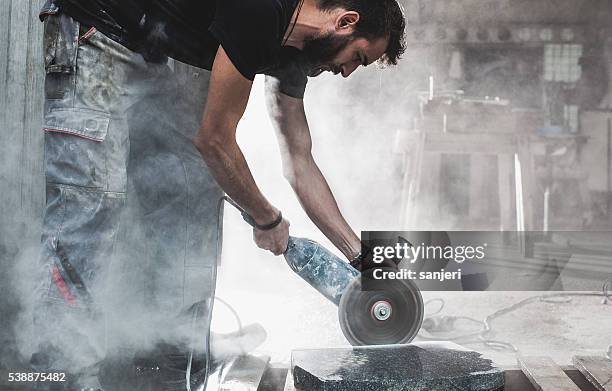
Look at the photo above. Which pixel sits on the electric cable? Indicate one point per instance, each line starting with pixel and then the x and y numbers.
pixel 607 291
pixel 233 311
pixel 222 367
pixel 190 358
pixel 436 299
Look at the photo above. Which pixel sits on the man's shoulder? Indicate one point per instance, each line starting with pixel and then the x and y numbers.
pixel 251 32
pixel 291 73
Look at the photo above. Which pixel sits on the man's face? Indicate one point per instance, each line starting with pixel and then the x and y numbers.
pixel 342 53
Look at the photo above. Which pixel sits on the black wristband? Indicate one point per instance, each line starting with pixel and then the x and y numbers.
pixel 358 261
pixel 263 227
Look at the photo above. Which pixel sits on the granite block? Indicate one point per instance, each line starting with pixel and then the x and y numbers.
pixel 436 366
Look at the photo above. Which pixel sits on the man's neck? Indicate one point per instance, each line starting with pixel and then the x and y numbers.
pixel 311 22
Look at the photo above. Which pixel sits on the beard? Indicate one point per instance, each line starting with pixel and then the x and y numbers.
pixel 321 51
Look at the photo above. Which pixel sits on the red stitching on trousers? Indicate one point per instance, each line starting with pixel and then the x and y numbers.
pixel 71 133
pixel 88 34
pixel 47 13
pixel 61 285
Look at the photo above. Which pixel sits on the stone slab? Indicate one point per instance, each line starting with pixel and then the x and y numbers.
pixel 437 366
pixel 597 370
pixel 545 374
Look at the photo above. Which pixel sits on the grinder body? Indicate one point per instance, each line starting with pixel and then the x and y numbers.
pixel 319 267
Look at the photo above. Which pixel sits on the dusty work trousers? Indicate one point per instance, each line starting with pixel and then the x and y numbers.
pixel 131 224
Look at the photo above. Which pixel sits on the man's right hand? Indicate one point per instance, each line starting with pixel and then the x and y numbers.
pixel 228 95
pixel 275 239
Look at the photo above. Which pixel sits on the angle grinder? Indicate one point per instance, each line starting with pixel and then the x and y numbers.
pixel 388 312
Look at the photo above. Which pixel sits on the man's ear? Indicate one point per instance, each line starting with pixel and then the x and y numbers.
pixel 346 22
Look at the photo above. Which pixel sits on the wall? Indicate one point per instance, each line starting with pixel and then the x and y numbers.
pixel 21 85
pixel 21 180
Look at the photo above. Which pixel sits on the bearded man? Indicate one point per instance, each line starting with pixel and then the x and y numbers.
pixel 118 122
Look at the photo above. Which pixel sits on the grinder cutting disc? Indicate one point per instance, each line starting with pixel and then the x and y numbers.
pixel 389 312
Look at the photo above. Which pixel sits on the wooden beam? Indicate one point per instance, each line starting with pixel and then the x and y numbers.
pixel 597 370
pixel 31 185
pixel 21 104
pixel 545 374
pixel 5 21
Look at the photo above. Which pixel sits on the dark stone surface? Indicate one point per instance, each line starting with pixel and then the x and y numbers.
pixel 423 366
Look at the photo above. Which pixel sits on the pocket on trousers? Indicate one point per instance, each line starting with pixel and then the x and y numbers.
pixel 80 160
pixel 88 124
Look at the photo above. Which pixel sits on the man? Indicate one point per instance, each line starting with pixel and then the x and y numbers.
pixel 114 126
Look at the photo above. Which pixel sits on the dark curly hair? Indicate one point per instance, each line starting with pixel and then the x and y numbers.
pixel 378 18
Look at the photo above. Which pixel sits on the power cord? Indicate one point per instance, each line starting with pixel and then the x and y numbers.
pixel 193 326
pixel 445 323
pixel 233 311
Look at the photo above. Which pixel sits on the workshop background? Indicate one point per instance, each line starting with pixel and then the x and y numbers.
pixel 499 117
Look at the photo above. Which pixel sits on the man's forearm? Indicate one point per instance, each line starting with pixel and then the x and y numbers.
pixel 230 169
pixel 316 198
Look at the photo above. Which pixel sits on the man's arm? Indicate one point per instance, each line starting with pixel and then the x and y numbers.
pixel 216 140
pixel 302 172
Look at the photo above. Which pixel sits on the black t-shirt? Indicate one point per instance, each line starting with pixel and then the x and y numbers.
pixel 190 31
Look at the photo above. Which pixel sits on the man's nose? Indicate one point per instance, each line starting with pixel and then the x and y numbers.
pixel 347 69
